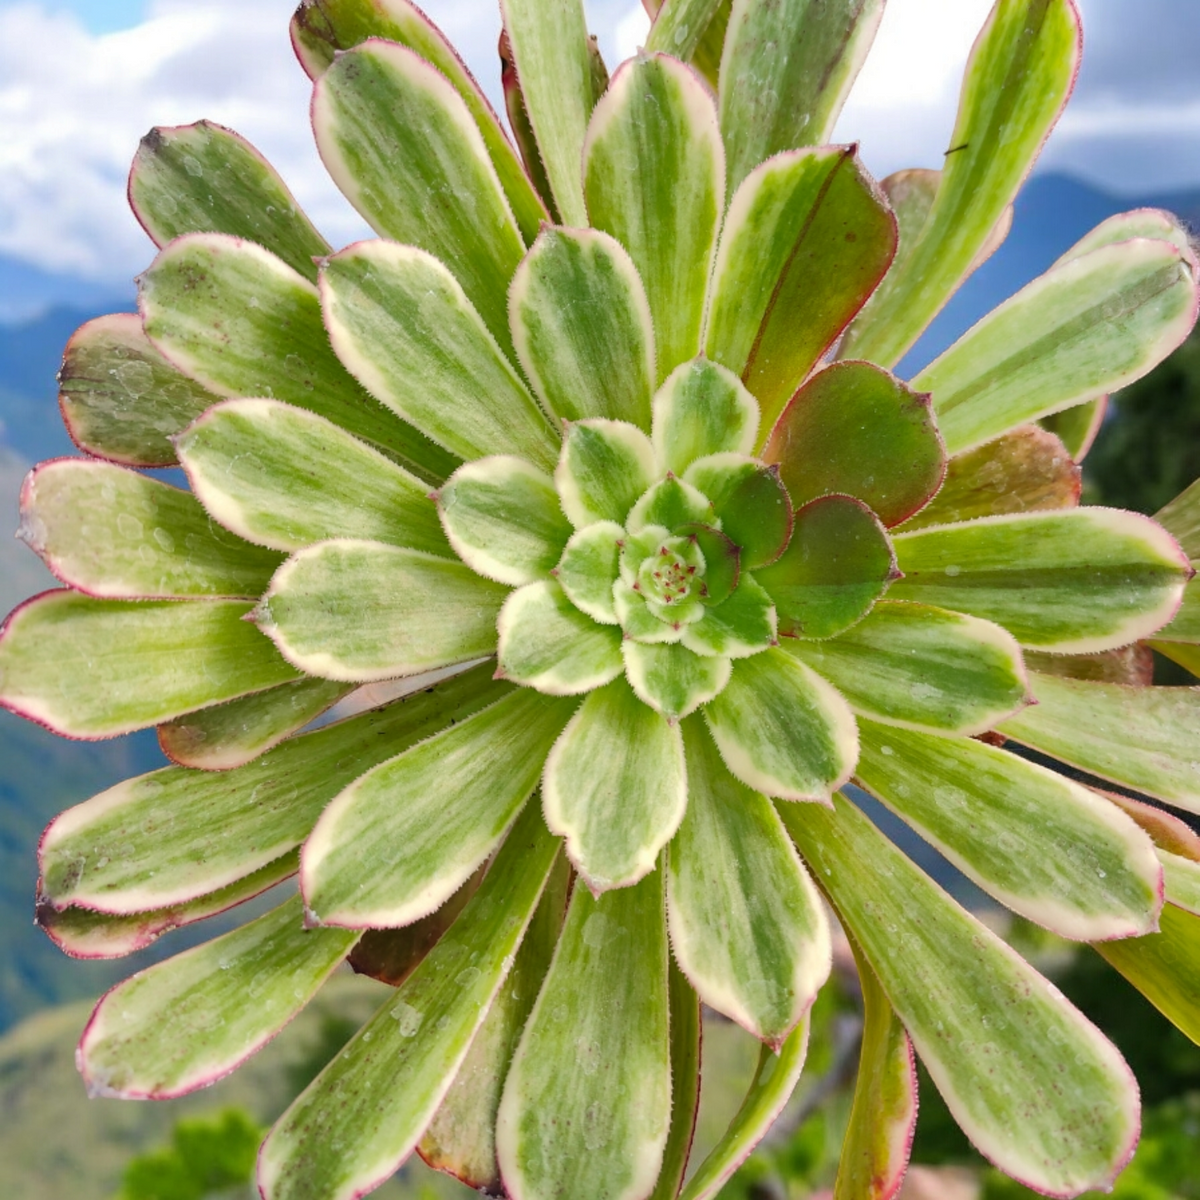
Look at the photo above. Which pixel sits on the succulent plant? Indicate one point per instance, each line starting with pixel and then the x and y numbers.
pixel 600 447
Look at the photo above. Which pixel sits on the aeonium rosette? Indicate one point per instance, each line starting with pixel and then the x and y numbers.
pixel 619 455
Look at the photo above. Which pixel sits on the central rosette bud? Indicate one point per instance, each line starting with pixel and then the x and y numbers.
pixel 671 578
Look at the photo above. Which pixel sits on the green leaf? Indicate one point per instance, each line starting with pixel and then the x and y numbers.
pixel 1132 664
pixel 615 787
pixel 241 322
pixel 1087 327
pixel 737 627
pixel 1181 880
pixel 321 29
pixel 685 1083
pixel 638 622
pixel 786 72
pixel 503 519
pixel 87 933
pixel 1183 653
pixel 550 48
pixel 807 237
pixel 751 503
pixel 858 431
pixel 522 129
pixel 883 1119
pixel 358 611
pixel 174 835
pixel 1185 625
pixel 120 398
pixel 923 668
pixel 461 1140
pixel 1170 834
pixel 184 1023
pixel 702 409
pixel 672 679
pixel 1152 223
pixel 1018 79
pixel 605 466
pixel 115 534
pixel 782 729
pixel 582 327
pixel 1026 470
pixel 1144 738
pixel 679 26
pixel 204 178
pixel 286 478
pixel 1165 967
pixel 406 330
pixel 403 147
pixel 588 569
pixel 90 668
pixel 1074 582
pixel 548 644
pixel 595 1131
pixel 365 1113
pixel 759 961
pixel 775 1077
pixel 722 563
pixel 654 178
pixel 669 504
pixel 707 56
pixel 396 844
pixel 1181 518
pixel 1078 426
pixel 1035 1086
pixel 232 734
pixel 837 564
pixel 995 816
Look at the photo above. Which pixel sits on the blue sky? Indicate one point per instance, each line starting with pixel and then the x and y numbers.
pixel 82 80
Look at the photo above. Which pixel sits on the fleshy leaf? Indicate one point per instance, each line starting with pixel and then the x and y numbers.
pixel 1020 74
pixel 588 569
pixel 992 814
pixel 722 562
pixel 1074 582
pixel 685 1083
pixel 1183 653
pixel 503 519
pixel 358 611
pixel 91 669
pixel 1181 518
pixel 669 504
pixel 1185 625
pixel 1181 878
pixel 1152 223
pixel 405 329
pixel 403 147
pixel 654 178
pixel 462 1137
pixel 1132 664
pixel 582 327
pixel 604 468
pixel 184 1023
pixel 286 478
pixel 598 1130
pixel 702 409
pixel 548 644
pixel 522 129
pixel 87 933
pixel 638 622
pixel 320 28
pixel 365 1113
pixel 672 679
pixel 679 26
pixel 241 322
pixel 1163 967
pixel 737 627
pixel 1026 470
pixel 807 237
pixel 786 71
pixel 204 178
pixel 232 734
pixel 1078 426
pixel 120 398
pixel 175 835
pixel 751 503
pixel 1085 328
pixel 615 787
pixel 1144 738
pixel 855 430
pixel 1169 833
pixel 775 1077
pixel 1034 1085
pixel 923 668
pixel 760 963
pixel 782 729
pixel 883 1120
pixel 115 534
pixel 837 564
pixel 402 839
pixel 550 48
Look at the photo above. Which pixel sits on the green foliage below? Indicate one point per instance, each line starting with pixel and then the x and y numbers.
pixel 206 1154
